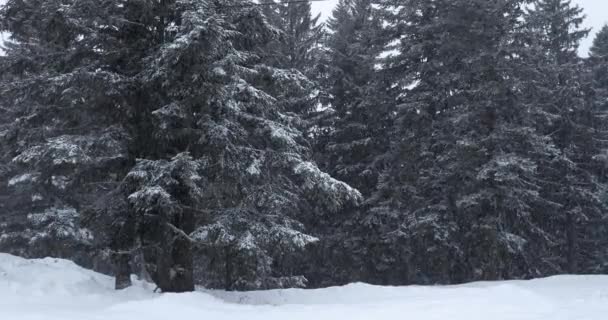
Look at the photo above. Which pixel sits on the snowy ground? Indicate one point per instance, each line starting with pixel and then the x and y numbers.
pixel 51 289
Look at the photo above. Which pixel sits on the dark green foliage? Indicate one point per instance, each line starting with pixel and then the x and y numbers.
pixel 360 115
pixel 598 61
pixel 468 195
pixel 352 132
pixel 598 70
pixel 456 203
pixel 174 104
pixel 294 47
pixel 163 195
pixel 557 90
pixel 299 36
pixel 177 140
pixel 63 141
pixel 600 43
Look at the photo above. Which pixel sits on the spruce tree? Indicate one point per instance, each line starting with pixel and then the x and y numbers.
pixel 598 66
pixel 64 141
pixel 557 92
pixel 600 43
pixel 458 200
pixel 295 46
pixel 598 61
pixel 361 118
pixel 351 134
pixel 300 35
pixel 258 192
pixel 167 135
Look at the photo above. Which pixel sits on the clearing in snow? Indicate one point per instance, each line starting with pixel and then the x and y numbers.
pixel 55 289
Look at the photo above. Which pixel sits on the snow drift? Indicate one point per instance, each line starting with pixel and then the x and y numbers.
pixel 58 289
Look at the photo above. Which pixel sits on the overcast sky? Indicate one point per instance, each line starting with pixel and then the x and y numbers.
pixel 596 11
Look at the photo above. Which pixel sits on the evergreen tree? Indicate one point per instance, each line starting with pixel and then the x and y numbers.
pixel 599 68
pixel 64 140
pixel 361 118
pixel 300 35
pixel 352 133
pixel 458 201
pixel 557 91
pixel 259 192
pixel 600 43
pixel 295 46
pixel 170 99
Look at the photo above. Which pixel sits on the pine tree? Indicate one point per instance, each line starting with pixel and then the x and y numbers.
pixel 458 200
pixel 557 92
pixel 600 43
pixel 360 117
pixel 63 137
pixel 300 35
pixel 295 46
pixel 599 68
pixel 177 129
pixel 259 192
pixel 351 134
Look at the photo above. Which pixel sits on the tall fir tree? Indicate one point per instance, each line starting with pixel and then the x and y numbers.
pixel 64 140
pixel 351 134
pixel 458 202
pixel 600 43
pixel 557 91
pixel 598 60
pixel 360 115
pixel 300 35
pixel 175 127
pixel 598 66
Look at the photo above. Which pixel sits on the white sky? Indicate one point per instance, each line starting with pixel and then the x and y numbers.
pixel 597 17
pixel 596 11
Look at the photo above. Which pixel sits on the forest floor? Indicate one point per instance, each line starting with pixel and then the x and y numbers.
pixel 53 289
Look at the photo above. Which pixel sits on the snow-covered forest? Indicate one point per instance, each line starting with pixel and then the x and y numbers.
pixel 240 145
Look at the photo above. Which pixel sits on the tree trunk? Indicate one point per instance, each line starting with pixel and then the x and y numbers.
pixel 122 271
pixel 571 243
pixel 175 263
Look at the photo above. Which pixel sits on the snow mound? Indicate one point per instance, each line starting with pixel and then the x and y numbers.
pixel 58 289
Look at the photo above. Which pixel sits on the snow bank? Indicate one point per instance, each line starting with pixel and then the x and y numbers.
pixel 57 289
